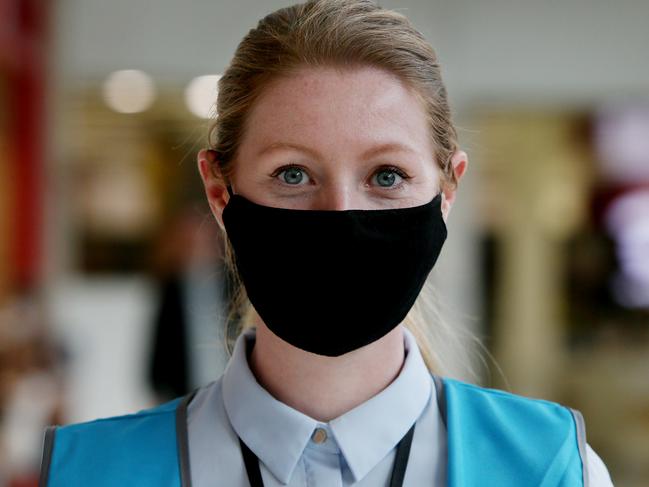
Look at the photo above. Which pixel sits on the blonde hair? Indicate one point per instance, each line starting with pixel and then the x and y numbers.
pixel 340 33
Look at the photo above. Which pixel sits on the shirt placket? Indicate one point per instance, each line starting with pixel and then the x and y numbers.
pixel 321 459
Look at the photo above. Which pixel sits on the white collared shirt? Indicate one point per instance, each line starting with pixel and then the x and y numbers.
pixel 295 450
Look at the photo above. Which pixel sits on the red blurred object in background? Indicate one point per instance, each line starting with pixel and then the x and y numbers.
pixel 23 47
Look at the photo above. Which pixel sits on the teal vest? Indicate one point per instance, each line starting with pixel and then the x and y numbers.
pixel 495 439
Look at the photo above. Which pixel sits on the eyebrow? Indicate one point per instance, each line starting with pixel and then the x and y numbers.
pixel 386 147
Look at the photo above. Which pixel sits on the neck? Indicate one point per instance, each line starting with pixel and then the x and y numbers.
pixel 325 387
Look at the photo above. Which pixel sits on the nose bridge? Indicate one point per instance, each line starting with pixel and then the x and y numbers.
pixel 338 192
pixel 335 196
pixel 339 184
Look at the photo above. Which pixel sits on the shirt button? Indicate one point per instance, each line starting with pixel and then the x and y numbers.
pixel 319 435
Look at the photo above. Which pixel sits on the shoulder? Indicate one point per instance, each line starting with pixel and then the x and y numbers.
pixel 126 448
pixel 471 408
pixel 465 395
pixel 525 437
pixel 105 431
pixel 517 416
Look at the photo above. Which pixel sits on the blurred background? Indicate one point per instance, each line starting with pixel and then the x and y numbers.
pixel 112 293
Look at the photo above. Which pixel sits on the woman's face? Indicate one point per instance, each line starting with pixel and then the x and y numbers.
pixel 332 139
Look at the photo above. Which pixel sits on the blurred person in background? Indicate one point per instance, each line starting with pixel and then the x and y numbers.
pixel 188 345
pixel 332 168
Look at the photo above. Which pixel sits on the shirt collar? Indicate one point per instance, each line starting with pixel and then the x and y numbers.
pixel 364 434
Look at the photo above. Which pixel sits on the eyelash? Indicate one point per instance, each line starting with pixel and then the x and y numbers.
pixel 394 169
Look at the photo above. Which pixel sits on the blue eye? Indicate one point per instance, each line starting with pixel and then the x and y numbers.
pixel 387 176
pixel 293 175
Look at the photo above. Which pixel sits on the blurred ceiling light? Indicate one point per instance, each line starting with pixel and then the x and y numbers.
pixel 622 143
pixel 200 95
pixel 129 91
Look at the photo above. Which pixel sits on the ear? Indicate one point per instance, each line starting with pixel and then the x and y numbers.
pixel 215 186
pixel 459 162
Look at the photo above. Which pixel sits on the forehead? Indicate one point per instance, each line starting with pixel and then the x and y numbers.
pixel 336 108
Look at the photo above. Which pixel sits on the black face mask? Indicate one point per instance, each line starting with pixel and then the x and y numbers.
pixel 330 281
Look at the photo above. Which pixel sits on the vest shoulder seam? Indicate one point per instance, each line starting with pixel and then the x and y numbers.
pixel 498 392
pixel 151 412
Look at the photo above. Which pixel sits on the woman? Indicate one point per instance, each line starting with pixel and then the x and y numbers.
pixel 332 170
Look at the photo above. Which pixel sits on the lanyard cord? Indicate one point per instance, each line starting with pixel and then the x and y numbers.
pixel 398 470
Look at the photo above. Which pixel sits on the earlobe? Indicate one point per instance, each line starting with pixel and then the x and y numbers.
pixel 445 207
